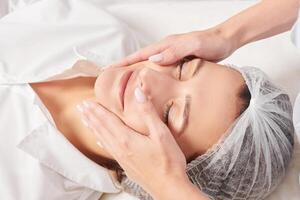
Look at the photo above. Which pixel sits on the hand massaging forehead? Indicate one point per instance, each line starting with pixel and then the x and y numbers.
pixel 252 156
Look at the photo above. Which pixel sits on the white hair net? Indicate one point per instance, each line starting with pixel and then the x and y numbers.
pixel 252 156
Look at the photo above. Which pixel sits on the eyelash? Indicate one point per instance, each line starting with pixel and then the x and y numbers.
pixel 180 69
pixel 166 113
pixel 168 107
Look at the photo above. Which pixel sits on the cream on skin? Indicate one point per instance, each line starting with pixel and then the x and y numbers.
pixel 201 99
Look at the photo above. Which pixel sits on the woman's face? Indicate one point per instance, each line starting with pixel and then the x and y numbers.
pixel 197 100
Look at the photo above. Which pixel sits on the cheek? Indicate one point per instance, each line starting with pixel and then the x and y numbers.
pixel 196 139
pixel 192 143
pixel 132 119
pixel 104 82
pixel 105 90
pixel 105 98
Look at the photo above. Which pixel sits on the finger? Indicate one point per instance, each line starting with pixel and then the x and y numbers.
pixel 118 144
pixel 146 109
pixel 142 54
pixel 104 137
pixel 101 141
pixel 105 118
pixel 172 55
pixel 114 145
pixel 108 144
pixel 120 63
pixel 132 59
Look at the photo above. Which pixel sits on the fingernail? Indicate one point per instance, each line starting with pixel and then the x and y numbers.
pixel 155 58
pixel 79 108
pixel 99 144
pixel 139 95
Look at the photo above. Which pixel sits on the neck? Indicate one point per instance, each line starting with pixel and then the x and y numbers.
pixel 61 97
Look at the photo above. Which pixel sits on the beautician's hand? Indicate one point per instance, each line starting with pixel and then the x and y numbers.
pixel 257 22
pixel 210 45
pixel 154 161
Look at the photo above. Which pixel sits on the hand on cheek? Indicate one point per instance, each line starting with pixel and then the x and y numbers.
pixel 144 159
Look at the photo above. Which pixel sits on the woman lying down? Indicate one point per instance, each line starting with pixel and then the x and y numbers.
pixel 232 124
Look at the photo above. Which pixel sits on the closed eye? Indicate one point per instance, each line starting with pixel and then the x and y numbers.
pixel 188 69
pixel 179 69
pixel 166 113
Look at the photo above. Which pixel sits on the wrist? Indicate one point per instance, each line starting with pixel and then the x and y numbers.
pixel 178 188
pixel 169 183
pixel 232 36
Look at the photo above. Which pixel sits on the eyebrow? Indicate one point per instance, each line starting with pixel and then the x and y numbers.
pixel 186 113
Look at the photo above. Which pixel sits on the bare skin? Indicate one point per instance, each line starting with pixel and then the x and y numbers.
pixel 62 96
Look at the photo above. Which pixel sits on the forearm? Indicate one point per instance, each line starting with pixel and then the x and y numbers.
pixel 179 189
pixel 265 19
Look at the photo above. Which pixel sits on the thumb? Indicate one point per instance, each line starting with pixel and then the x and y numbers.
pixel 149 114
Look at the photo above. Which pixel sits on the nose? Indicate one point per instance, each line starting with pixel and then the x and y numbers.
pixel 160 87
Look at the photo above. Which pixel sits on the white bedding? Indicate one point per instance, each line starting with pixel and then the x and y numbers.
pixel 152 21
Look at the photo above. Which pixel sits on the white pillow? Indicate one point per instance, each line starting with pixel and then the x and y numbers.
pixel 16 4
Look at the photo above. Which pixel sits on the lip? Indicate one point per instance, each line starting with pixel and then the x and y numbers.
pixel 123 85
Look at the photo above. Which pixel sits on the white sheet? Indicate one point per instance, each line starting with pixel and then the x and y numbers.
pixel 276 55
pixel 3 8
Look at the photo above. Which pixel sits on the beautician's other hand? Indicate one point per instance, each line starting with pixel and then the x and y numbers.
pixel 209 44
pixel 154 161
pixel 254 23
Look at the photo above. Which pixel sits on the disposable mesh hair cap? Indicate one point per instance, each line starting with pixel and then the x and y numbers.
pixel 252 156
